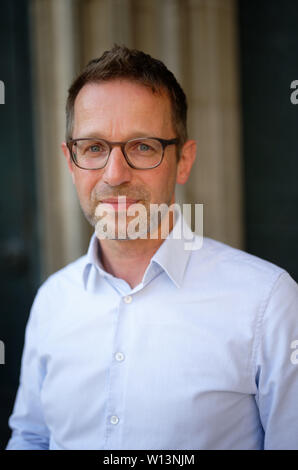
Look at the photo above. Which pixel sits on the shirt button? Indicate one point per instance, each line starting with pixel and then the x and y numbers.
pixel 114 419
pixel 128 299
pixel 119 356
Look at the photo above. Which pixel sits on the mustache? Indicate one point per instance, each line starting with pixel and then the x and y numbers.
pixel 137 193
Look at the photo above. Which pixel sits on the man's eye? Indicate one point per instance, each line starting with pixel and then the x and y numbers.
pixel 95 148
pixel 143 147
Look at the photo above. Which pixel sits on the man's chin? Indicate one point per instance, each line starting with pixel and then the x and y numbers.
pixel 139 223
pixel 119 231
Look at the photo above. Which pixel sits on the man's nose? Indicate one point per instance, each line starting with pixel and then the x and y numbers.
pixel 117 171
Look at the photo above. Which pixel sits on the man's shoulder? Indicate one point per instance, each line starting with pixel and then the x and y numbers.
pixel 69 275
pixel 219 271
pixel 54 294
pixel 234 262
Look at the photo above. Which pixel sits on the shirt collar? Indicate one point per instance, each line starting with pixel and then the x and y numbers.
pixel 92 259
pixel 171 256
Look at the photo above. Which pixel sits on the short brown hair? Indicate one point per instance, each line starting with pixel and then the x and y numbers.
pixel 121 62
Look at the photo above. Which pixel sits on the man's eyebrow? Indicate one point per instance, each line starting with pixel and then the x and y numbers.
pixel 98 135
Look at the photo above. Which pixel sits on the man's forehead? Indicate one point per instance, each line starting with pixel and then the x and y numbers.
pixel 109 90
pixel 122 107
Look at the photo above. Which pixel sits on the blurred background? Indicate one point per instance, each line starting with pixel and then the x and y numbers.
pixel 235 60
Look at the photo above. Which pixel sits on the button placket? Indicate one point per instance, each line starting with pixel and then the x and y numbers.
pixel 117 376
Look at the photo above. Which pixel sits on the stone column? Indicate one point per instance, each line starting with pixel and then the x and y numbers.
pixel 215 117
pixel 62 227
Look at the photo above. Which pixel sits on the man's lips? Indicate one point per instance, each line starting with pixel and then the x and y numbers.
pixel 119 204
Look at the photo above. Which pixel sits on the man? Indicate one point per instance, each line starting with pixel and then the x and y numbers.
pixel 142 343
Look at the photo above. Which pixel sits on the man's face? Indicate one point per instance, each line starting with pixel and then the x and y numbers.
pixel 120 110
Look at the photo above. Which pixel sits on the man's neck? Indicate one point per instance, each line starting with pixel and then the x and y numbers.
pixel 129 259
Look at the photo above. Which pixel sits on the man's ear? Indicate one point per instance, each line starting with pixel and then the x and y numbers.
pixel 65 150
pixel 187 158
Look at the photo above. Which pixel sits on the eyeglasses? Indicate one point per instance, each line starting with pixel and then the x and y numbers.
pixel 142 154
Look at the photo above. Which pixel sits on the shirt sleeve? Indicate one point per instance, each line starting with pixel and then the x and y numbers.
pixel 277 366
pixel 29 430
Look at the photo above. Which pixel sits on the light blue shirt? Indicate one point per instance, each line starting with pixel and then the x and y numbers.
pixel 202 354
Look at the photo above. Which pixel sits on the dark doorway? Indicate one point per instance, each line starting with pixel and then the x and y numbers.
pixel 19 254
pixel 268 55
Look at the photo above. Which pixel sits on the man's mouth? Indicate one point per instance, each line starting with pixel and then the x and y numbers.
pixel 120 203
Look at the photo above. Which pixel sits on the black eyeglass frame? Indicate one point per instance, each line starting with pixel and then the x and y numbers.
pixel 164 142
